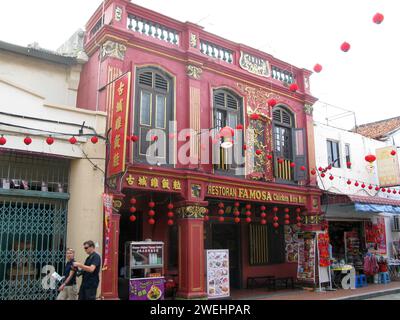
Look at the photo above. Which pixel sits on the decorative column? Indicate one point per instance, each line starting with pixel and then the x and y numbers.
pixel 191 250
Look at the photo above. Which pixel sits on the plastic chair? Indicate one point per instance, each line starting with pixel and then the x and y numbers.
pixel 384 277
pixel 361 281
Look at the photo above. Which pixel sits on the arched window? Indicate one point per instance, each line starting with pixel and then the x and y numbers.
pixel 227 112
pixel 289 146
pixel 153 108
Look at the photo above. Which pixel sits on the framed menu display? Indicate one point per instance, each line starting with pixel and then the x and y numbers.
pixel 217 273
pixel 306 257
pixel 291 243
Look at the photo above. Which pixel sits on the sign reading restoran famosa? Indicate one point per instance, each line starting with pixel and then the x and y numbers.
pixel 254 194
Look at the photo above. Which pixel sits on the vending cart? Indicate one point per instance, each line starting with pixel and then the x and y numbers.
pixel 144 263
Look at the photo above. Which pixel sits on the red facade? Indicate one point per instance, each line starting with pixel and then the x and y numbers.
pixel 196 66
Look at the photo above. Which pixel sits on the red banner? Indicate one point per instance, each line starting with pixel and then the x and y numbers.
pixel 119 125
pixel 107 205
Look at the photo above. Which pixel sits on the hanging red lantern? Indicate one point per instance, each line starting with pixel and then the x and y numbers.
pixel 152 221
pixel 49 141
pixel 206 218
pixel 298 218
pixel 345 47
pixel 322 175
pixel 348 182
pixel 254 116
pixel 276 225
pixel 152 204
pixel 94 139
pixel 393 152
pixel 170 206
pixel 3 141
pixel 263 208
pixel 370 158
pixel 292 164
pixel 248 219
pixel 132 209
pixel 377 188
pixel 221 212
pixel 299 224
pixel 389 191
pixel 394 191
pixel 236 213
pixel 356 184
pixel 248 213
pixel 298 210
pixel 237 204
pixel 383 190
pixel 363 186
pixel 269 157
pixel 135 138
pixel 152 213
pixel 258 152
pixel 239 127
pixel 272 103
pixel 170 222
pixel 286 210
pixel 276 219
pixel 313 172
pixel 263 215
pixel 132 218
pixel 280 161
pixel 237 220
pixel 275 209
pixel 170 214
pixel 370 187
pixel 329 167
pixel 378 18
pixel 331 177
pixel 287 222
pixel 132 201
pixel 263 221
pixel 221 219
pixel 248 206
pixel 303 168
pixel 28 141
pixel 244 147
pixel 221 205
pixel 317 68
pixel 72 140
pixel 320 169
pixel 348 164
pixel 287 217
pixel 293 87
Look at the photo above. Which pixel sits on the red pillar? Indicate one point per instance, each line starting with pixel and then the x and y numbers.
pixel 191 253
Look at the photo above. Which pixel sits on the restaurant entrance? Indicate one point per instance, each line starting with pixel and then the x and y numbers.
pixel 227 236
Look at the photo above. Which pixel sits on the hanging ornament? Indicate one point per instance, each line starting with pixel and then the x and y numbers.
pixel 94 139
pixel 248 219
pixel 363 186
pixel 287 222
pixel 298 210
pixel 221 212
pixel 152 213
pixel 345 47
pixel 28 141
pixel 320 169
pixel 206 218
pixel 299 224
pixel 286 210
pixel 170 206
pixel 239 127
pixel 49 141
pixel 72 140
pixel 3 141
pixel 248 206
pixel 317 68
pixel 132 209
pixel 152 221
pixel 275 209
pixel 322 175
pixel 370 158
pixel 348 164
pixel 263 221
pixel 356 184
pixel 348 182
pixel 258 152
pixel 280 161
pixel 248 213
pixel 293 87
pixel 244 147
pixel 303 168
pixel 170 222
pixel 313 172
pixel 269 156
pixel 221 219
pixel 331 177
pixel 389 191
pixel 237 220
pixel 287 217
pixel 152 204
pixel 329 167
pixel 394 191
pixel 237 204
pixel 132 218
pixel 393 152
pixel 135 138
pixel 383 190
pixel 377 188
pixel 276 219
pixel 276 225
pixel 272 103
pixel 221 205
pixel 132 201
pixel 263 215
pixel 378 18
pixel 298 218
pixel 370 187
pixel 254 116
pixel 170 214
pixel 292 164
pixel 263 208
pixel 236 213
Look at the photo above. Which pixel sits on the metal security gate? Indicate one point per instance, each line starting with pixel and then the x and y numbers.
pixel 33 225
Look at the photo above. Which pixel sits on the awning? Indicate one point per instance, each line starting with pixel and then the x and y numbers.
pixel 364 203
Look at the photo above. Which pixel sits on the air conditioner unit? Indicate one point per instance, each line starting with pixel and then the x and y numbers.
pixel 396 223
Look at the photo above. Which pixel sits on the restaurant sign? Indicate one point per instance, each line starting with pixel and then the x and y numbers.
pixel 255 65
pixel 254 194
pixel 158 183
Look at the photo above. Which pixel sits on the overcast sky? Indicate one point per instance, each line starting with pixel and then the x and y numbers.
pixel 302 32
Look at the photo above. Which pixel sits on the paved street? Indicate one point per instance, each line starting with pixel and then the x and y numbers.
pixel 387 297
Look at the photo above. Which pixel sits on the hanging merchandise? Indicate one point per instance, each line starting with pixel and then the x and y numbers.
pixel 323 250
pixel 306 257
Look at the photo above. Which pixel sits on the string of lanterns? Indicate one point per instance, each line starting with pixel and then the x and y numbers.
pixel 50 140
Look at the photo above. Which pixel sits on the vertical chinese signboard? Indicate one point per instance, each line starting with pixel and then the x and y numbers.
pixel 119 125
pixel 388 167
pixel 107 204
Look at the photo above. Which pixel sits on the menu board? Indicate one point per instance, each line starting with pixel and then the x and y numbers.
pixel 146 289
pixel 217 273
pixel 146 255
pixel 306 257
pixel 291 243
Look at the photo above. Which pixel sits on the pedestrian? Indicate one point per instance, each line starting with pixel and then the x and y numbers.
pixel 90 272
pixel 69 290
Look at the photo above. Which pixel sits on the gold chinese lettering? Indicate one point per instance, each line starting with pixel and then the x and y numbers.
pixel 119 106
pixel 176 185
pixel 117 141
pixel 118 123
pixel 121 88
pixel 165 183
pixel 130 180
pixel 142 181
pixel 154 182
pixel 116 160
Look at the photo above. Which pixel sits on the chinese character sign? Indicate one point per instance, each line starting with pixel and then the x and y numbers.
pixel 119 125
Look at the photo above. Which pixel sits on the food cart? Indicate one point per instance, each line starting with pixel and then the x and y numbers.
pixel 144 263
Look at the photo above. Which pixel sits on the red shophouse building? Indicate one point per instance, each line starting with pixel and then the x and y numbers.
pixel 180 72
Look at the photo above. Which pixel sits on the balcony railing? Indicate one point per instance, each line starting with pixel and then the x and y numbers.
pixel 152 29
pixel 283 170
pixel 282 75
pixel 216 52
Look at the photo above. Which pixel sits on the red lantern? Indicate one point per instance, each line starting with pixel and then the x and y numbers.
pixel 135 138
pixel 152 221
pixel 94 139
pixel 258 152
pixel 317 68
pixel 254 116
pixel 221 205
pixel 206 218
pixel 298 218
pixel 292 165
pixel 348 182
pixel 170 214
pixel 132 218
pixel 377 188
pixel 345 47
pixel 276 219
pixel 72 140
pixel 170 206
pixel 237 204
pixel 263 221
pixel 393 153
pixel 272 103
pixel 303 168
pixel 3 141
pixel 363 186
pixel 394 191
pixel 348 164
pixel 248 213
pixel 329 167
pixel 275 209
pixel 132 201
pixel 152 204
pixel 236 213
pixel 248 219
pixel 280 161
pixel 378 18
pixel 276 225
pixel 244 147
pixel 370 187
pixel 286 210
pixel 152 213
pixel 170 222
pixel 356 184
pixel 370 158
pixel 299 224
pixel 331 177
pixel 263 208
pixel 237 220
pixel 320 169
pixel 322 175
pixel 28 141
pixel 313 172
pixel 298 210
pixel 293 87
pixel 132 209
pixel 383 190
pixel 221 212
pixel 49 141
pixel 287 222
pixel 248 206
pixel 287 217
pixel 269 157
pixel 239 127
pixel 389 191
pixel 221 219
pixel 263 215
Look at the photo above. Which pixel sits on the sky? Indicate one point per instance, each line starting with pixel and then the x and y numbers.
pixel 301 32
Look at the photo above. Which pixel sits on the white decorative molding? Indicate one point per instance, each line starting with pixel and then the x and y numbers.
pixel 111 49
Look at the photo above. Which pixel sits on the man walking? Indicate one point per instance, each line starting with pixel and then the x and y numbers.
pixel 90 272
